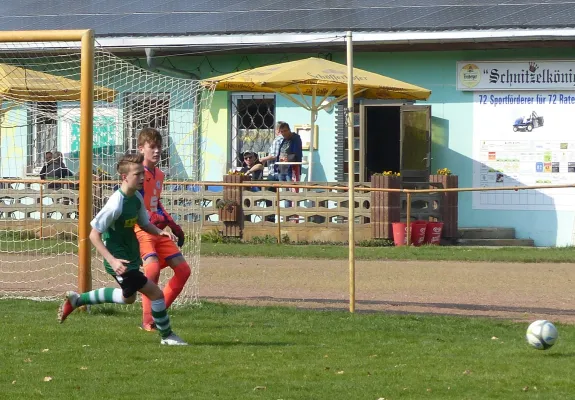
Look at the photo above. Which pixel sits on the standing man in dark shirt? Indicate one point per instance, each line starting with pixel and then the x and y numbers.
pixel 285 148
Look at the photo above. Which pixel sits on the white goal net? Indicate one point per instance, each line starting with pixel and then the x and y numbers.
pixel 40 140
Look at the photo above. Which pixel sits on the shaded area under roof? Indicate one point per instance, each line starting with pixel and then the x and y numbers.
pixel 200 17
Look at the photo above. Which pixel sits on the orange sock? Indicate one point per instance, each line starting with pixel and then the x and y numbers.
pixel 152 272
pixel 176 284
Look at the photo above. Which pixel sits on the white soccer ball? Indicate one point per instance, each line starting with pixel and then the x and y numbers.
pixel 542 334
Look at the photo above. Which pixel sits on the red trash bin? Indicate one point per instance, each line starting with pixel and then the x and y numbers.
pixel 417 233
pixel 433 233
pixel 418 229
pixel 399 232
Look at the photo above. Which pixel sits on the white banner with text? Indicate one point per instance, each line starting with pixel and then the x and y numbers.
pixel 524 139
pixel 515 75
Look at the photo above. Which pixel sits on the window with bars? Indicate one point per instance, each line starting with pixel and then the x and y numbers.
pixel 342 166
pixel 253 125
pixel 142 110
pixel 42 135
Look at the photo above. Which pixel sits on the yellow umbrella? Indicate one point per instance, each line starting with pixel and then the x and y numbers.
pixel 22 84
pixel 316 77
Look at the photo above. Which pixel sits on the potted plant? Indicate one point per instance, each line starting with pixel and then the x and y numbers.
pixel 386 179
pixel 227 210
pixel 390 174
pixel 103 176
pixel 242 176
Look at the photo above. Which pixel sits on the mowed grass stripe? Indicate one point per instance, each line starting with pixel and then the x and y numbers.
pixel 431 253
pixel 439 253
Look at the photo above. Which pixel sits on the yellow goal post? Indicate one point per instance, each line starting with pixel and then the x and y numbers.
pixel 86 39
pixel 69 108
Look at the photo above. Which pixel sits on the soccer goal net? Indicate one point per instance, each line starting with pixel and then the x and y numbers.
pixel 40 158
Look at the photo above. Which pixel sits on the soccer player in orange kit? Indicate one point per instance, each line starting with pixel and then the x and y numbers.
pixel 158 252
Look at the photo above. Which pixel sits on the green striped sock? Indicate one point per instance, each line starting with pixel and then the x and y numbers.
pixel 161 318
pixel 98 296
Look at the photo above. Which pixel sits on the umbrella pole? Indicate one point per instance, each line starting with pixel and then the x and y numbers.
pixel 311 135
pixel 350 172
pixel 1 123
pixel 311 145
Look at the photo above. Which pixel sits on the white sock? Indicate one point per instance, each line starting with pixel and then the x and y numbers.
pixel 118 296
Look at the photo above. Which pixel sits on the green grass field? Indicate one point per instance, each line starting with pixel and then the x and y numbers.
pixel 434 253
pixel 45 246
pixel 275 353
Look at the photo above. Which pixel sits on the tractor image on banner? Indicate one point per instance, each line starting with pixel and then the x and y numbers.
pixel 529 123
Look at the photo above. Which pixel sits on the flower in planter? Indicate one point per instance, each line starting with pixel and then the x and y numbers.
pixel 444 171
pixel 390 173
pixel 227 205
pixel 232 172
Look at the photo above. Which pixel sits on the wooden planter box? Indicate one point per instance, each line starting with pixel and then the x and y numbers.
pixel 228 214
pixel 450 205
pixel 385 206
pixel 232 221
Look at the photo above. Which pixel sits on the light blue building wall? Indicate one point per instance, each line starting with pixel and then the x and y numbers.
pixel 13 143
pixel 452 125
pixel 216 140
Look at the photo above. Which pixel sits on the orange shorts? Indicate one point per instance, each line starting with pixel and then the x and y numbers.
pixel 159 246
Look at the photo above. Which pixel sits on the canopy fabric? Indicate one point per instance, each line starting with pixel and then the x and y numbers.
pixel 22 84
pixel 326 78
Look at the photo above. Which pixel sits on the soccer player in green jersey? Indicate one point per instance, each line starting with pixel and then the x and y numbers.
pixel 114 237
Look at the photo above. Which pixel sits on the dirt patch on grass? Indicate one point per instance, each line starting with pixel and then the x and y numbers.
pixel 498 290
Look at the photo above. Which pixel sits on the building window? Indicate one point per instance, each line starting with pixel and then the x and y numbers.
pixel 342 166
pixel 143 110
pixel 253 125
pixel 42 135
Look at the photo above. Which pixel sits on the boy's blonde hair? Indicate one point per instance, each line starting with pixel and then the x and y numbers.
pixel 149 135
pixel 127 160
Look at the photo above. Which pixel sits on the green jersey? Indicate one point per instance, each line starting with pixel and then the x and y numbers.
pixel 116 223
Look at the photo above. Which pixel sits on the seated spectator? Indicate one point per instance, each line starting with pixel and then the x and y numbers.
pixel 54 169
pixel 48 159
pixel 253 167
